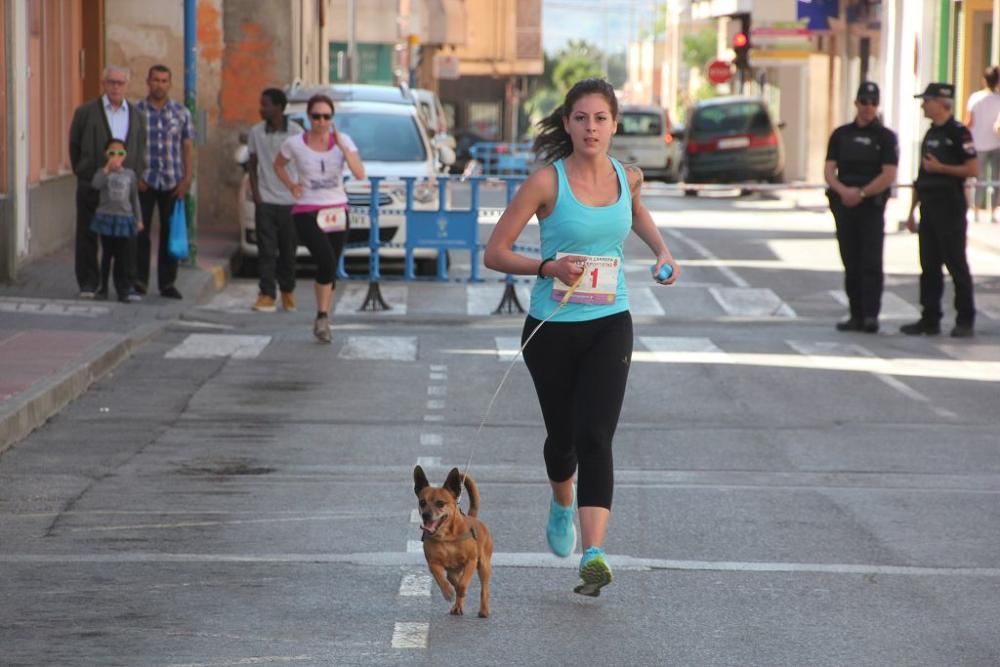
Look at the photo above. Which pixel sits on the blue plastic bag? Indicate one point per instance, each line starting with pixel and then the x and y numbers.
pixel 177 244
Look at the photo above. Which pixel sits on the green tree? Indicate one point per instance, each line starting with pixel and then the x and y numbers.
pixel 617 69
pixel 698 48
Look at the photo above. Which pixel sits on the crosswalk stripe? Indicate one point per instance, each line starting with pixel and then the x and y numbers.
pixel 642 301
pixel 678 344
pixel 353 297
pixel 210 346
pixel 751 302
pixel 390 348
pixel 410 635
pixel 893 306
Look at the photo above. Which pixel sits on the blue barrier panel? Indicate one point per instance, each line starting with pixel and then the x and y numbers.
pixel 443 229
pixel 503 159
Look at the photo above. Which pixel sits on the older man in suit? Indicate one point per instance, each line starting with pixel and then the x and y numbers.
pixel 94 124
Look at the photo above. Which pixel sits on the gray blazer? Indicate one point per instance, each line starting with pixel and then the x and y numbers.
pixel 89 133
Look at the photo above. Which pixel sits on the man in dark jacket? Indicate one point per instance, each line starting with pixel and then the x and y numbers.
pixel 94 124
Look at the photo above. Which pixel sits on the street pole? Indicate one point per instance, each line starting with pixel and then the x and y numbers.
pixel 191 101
pixel 352 41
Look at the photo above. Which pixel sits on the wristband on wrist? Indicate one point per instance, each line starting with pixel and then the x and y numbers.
pixel 543 263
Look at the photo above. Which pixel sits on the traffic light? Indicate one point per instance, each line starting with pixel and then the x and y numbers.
pixel 741 47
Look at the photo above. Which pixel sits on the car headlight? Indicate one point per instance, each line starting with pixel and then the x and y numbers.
pixel 424 192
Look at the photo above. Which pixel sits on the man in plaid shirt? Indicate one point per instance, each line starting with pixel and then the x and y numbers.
pixel 167 179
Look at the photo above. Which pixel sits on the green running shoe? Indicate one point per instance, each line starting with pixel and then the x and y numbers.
pixel 595 573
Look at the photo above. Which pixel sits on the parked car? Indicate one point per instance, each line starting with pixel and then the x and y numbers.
pixel 644 138
pixel 731 140
pixel 393 143
pixel 464 140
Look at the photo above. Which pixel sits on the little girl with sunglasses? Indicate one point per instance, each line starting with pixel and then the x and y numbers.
pixel 117 220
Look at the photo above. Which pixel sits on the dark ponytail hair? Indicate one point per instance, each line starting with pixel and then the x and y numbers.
pixel 992 77
pixel 552 142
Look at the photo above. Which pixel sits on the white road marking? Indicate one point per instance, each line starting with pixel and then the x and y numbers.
pixel 435 404
pixel 893 307
pixel 733 277
pixel 678 344
pixel 439 368
pixel 387 348
pixel 642 301
pixel 415 585
pixel 431 439
pixel 437 390
pixel 484 299
pixel 415 516
pixel 353 297
pixel 433 418
pixel 410 635
pixel 507 347
pixel 439 376
pixel 210 346
pixel 198 324
pixel 256 660
pixel 429 461
pixel 414 557
pixel 751 302
pixel 814 348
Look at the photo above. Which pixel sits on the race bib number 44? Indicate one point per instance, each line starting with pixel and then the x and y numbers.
pixel 599 285
pixel 332 219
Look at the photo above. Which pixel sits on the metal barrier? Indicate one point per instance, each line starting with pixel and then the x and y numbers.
pixel 503 159
pixel 441 228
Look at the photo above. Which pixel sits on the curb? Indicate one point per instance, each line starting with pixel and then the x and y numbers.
pixel 33 409
pixel 26 413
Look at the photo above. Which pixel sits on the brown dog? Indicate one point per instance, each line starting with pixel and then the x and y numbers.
pixel 455 545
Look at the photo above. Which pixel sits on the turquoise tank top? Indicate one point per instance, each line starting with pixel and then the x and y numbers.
pixel 576 228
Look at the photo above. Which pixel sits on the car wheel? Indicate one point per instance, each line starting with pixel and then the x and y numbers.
pixel 683 176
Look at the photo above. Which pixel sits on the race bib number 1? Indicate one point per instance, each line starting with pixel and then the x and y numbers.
pixel 332 219
pixel 599 285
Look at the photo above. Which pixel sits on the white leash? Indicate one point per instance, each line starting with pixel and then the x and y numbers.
pixel 489 408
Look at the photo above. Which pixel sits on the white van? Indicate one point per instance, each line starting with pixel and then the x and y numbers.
pixel 644 139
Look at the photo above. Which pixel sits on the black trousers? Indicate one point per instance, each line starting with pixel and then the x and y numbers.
pixel 87 276
pixel 579 370
pixel 166 266
pixel 942 235
pixel 117 251
pixel 324 247
pixel 276 244
pixel 861 237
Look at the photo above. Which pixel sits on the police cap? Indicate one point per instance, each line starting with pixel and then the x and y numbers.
pixel 868 92
pixel 945 90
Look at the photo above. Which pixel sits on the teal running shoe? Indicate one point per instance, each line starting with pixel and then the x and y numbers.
pixel 595 573
pixel 560 531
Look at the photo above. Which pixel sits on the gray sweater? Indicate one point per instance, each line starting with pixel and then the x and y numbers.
pixel 119 192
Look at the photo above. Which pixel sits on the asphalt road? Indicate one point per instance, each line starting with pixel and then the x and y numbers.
pixel 236 494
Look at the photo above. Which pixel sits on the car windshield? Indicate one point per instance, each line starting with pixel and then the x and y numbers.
pixel 379 137
pixel 639 125
pixel 725 119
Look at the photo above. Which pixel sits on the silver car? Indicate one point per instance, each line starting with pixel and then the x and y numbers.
pixel 644 139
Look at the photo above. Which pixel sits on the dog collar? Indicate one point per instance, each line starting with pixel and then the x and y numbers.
pixel 469 534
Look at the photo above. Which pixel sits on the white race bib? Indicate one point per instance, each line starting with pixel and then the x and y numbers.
pixel 599 285
pixel 332 219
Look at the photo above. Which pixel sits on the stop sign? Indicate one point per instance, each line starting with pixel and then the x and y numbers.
pixel 719 71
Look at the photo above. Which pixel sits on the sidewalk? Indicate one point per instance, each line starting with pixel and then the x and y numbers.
pixel 53 345
pixel 984 234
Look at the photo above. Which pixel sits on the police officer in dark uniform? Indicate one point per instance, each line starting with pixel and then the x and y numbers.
pixel 948 157
pixel 861 161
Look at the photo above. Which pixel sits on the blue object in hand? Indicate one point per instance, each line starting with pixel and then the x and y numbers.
pixel 665 272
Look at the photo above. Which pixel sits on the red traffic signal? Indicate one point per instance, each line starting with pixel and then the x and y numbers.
pixel 740 40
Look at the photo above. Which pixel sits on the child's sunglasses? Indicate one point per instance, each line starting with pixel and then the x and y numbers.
pixel 113 153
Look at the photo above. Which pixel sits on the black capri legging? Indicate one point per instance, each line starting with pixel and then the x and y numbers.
pixel 580 370
pixel 325 247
